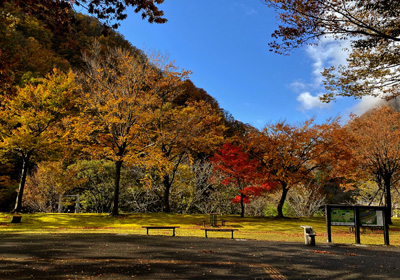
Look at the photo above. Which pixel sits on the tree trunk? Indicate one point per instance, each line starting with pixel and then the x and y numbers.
pixel 282 200
pixel 242 205
pixel 388 199
pixel 167 187
pixel 118 167
pixel 25 164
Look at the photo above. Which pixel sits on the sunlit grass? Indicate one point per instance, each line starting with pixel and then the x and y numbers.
pixel 271 229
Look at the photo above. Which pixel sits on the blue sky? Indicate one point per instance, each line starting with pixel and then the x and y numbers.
pixel 225 44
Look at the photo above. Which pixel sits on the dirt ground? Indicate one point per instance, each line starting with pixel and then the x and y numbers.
pixel 113 256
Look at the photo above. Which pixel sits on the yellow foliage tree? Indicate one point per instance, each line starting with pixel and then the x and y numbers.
pixel 50 181
pixel 30 120
pixel 179 133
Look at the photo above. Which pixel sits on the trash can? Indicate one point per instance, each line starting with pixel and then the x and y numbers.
pixel 309 235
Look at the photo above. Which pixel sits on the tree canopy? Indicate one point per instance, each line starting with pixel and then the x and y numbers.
pixel 377 149
pixel 372 26
pixel 239 169
pixel 291 155
pixel 30 120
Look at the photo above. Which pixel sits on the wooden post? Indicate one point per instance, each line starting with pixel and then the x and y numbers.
pixel 357 224
pixel 328 223
pixel 385 228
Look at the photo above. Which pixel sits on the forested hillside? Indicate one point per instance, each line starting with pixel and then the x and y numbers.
pixel 32 44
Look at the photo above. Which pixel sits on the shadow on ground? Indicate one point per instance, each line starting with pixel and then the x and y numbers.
pixel 112 256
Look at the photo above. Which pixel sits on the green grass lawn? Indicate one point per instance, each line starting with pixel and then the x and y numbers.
pixel 271 229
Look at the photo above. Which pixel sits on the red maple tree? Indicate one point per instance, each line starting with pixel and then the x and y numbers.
pixel 239 169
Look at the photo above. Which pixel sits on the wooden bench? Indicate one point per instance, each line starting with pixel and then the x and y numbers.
pixel 219 229
pixel 161 227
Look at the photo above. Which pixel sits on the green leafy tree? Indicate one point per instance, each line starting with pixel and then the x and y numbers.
pixel 96 185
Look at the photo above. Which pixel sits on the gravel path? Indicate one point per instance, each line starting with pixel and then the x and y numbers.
pixel 113 256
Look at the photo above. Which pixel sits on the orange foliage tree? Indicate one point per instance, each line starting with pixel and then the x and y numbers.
pixel 30 121
pixel 377 148
pixel 292 154
pixel 121 92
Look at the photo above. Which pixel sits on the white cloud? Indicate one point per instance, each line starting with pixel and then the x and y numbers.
pixel 328 52
pixel 298 86
pixel 309 102
pixel 366 103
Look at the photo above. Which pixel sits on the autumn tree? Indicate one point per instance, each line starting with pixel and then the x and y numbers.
pixel 377 148
pixel 193 185
pixel 249 194
pixel 292 154
pixel 181 133
pixel 114 104
pixel 48 183
pixel 239 169
pixel 307 199
pixel 372 26
pixel 188 92
pixel 30 121
pixel 187 124
pixel 122 95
